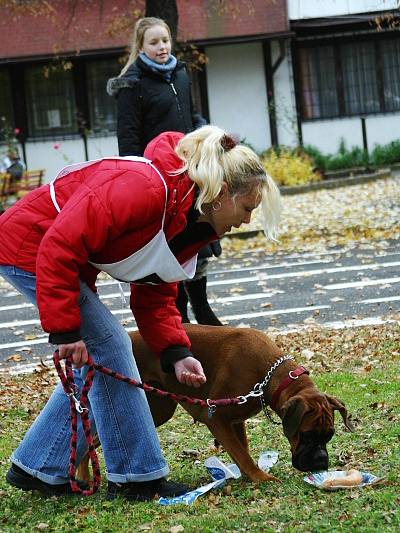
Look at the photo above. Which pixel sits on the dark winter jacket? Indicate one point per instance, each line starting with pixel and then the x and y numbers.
pixel 149 105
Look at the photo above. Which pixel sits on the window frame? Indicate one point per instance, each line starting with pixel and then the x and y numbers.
pixel 336 42
pixel 57 133
pixel 8 96
pixel 89 64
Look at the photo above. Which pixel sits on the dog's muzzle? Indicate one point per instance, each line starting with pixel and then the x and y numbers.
pixel 311 458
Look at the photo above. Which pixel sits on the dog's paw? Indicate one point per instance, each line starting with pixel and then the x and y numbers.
pixel 259 476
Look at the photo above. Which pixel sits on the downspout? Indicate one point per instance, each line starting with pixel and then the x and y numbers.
pixel 270 70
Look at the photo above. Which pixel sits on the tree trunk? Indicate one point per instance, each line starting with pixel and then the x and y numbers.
pixel 166 10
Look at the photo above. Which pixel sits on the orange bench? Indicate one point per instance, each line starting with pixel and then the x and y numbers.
pixel 5 185
pixel 30 180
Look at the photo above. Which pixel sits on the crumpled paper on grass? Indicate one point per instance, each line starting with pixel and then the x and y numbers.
pixel 220 473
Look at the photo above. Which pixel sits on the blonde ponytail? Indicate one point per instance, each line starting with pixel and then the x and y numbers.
pixel 209 162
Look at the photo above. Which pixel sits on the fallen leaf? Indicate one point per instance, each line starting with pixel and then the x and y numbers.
pixel 15 357
pixel 176 529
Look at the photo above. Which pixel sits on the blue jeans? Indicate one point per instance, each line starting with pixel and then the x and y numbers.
pixel 119 412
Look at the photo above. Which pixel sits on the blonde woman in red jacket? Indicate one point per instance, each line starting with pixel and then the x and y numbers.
pixel 142 220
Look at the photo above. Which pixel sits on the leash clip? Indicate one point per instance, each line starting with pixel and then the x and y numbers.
pixel 211 408
pixel 78 405
pixel 257 390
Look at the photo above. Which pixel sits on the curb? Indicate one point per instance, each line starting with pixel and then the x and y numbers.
pixel 334 183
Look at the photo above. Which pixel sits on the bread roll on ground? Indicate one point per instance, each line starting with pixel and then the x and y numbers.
pixel 351 479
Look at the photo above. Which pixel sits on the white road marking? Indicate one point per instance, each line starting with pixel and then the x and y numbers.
pixel 15 306
pixel 351 323
pixel 21 344
pixel 379 300
pixel 306 273
pixel 268 266
pixel 275 312
pixel 355 284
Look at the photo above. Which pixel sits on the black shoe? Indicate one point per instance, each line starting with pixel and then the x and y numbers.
pixel 21 479
pixel 143 491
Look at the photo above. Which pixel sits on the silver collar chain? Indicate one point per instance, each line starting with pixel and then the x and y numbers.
pixel 258 389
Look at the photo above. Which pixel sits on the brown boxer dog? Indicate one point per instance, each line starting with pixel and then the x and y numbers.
pixel 234 361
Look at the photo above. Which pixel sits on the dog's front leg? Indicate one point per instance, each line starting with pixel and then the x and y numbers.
pixel 240 430
pixel 234 441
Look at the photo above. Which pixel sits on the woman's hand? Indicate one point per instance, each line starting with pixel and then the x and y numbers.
pixel 189 372
pixel 77 350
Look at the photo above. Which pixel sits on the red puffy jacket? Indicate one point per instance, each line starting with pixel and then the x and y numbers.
pixel 109 210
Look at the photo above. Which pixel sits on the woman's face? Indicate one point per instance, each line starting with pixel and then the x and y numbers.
pixel 157 44
pixel 226 212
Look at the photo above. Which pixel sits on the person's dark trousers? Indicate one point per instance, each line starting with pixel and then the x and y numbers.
pixel 197 292
pixel 182 302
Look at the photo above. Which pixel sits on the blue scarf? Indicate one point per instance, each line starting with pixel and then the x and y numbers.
pixel 164 69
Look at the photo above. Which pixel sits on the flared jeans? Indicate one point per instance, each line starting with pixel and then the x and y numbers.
pixel 119 412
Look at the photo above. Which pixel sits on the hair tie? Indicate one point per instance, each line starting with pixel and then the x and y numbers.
pixel 229 141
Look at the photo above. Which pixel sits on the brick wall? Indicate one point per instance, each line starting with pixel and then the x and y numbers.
pixel 86 29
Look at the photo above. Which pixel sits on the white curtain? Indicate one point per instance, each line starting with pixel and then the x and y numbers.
pixel 359 78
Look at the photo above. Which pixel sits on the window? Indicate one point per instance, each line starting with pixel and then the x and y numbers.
pixel 317 71
pixel 102 106
pixel 196 80
pixel 6 105
pixel 353 78
pixel 51 103
pixel 391 74
pixel 359 76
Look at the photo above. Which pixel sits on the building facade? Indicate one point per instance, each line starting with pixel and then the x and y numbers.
pixel 277 73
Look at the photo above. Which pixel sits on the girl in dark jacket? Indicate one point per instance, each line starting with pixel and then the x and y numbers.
pixel 153 95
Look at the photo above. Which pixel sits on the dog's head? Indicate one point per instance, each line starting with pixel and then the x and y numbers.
pixel 308 424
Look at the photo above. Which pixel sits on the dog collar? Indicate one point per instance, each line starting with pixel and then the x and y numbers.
pixel 292 376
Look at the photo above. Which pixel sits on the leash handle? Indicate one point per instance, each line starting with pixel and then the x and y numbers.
pixel 79 406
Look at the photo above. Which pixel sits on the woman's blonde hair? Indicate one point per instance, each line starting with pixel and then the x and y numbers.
pixel 209 163
pixel 138 37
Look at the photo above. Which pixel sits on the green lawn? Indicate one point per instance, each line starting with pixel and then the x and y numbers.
pixel 358 366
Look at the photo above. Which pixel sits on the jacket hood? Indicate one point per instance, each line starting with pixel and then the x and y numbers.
pixel 161 151
pixel 128 80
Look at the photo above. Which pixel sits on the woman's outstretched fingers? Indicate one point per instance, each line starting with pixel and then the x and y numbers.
pixel 189 372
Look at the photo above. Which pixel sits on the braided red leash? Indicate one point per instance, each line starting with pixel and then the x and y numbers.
pixel 80 406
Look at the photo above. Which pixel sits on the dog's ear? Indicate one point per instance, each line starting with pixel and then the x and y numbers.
pixel 338 405
pixel 293 412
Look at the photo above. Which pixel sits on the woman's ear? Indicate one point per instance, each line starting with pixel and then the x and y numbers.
pixel 224 190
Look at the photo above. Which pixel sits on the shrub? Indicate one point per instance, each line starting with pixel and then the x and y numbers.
pixel 289 167
pixel 344 158
pixel 355 157
pixel 386 154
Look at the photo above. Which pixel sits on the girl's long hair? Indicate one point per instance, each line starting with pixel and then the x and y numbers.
pixel 138 36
